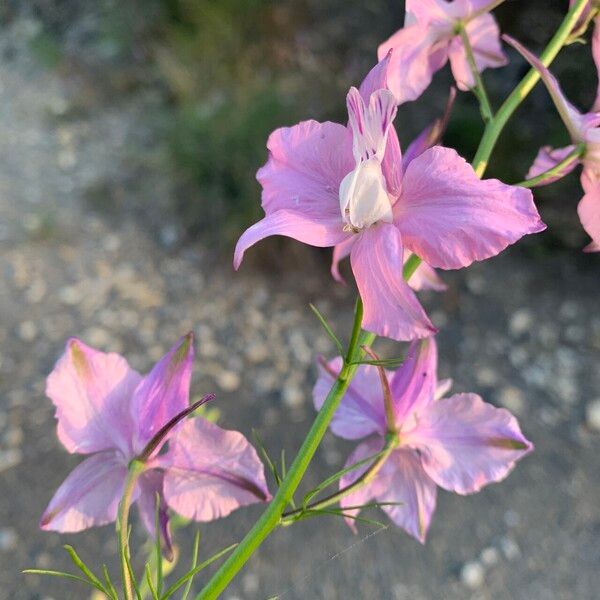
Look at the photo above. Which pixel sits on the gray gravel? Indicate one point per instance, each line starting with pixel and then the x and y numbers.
pixel 523 332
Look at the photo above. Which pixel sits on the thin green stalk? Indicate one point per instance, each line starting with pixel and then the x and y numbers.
pixel 479 89
pixel 135 469
pixel 271 517
pixel 494 127
pixel 572 157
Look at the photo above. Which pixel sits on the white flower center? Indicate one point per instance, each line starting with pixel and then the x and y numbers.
pixel 364 199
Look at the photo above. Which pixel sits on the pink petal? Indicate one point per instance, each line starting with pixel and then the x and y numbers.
pixel 414 383
pixel 89 496
pixel 150 486
pixel 376 78
pixel 466 443
pixel 449 217
pixel 164 392
pixel 209 471
pixel 391 308
pixel 425 278
pixel 417 55
pixel 340 252
pixel 484 37
pixel 589 211
pixel 401 480
pixel 306 165
pixel 91 391
pixel 548 158
pixel 434 13
pixel 361 410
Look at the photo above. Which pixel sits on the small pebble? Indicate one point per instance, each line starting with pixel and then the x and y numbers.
pixel 250 583
pixel 27 331
pixel 292 396
pixel 490 556
pixel 520 322
pixel 9 458
pixel 228 381
pixel 512 398
pixel 8 539
pixel 510 548
pixel 472 574
pixel 592 414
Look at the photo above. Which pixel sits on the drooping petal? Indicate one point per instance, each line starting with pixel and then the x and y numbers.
pixel 340 252
pixel 391 308
pixel 91 391
pixel 414 383
pixel 401 482
pixel 425 278
pixel 361 411
pixel 209 471
pixel 589 210
pixel 571 117
pixel 466 443
pixel 548 158
pixel 164 392
pixel 450 218
pixel 89 496
pixel 484 38
pixel 150 485
pixel 417 54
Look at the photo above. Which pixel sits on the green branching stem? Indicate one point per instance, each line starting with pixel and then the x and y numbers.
pixel 495 126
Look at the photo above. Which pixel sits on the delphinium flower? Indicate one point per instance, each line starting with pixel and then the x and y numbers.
pixel 106 409
pixel 430 37
pixel 326 184
pixel 460 443
pixel 583 128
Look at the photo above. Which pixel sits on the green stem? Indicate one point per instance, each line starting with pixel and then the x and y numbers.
pixel 391 443
pixel 410 266
pixel 135 469
pixel 271 517
pixel 479 89
pixel 572 157
pixel 495 125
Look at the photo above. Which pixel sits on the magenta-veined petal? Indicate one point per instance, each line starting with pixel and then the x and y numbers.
pixel 416 55
pixel 89 496
pixel 547 158
pixel 164 392
pixel 466 443
pixel 150 486
pixel 484 37
pixel 209 471
pixel 309 229
pixel 361 411
pixel 589 210
pixel 414 383
pixel 450 218
pixel 391 308
pixel 91 391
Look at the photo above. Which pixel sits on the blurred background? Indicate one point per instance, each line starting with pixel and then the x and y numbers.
pixel 130 133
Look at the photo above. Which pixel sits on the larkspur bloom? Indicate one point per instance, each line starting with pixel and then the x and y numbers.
pixel 583 128
pixel 107 410
pixel 327 184
pixel 460 443
pixel 430 38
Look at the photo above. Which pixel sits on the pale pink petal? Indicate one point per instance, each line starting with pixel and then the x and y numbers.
pixel 376 78
pixel 391 308
pixel 414 383
pixel 164 392
pixel 361 411
pixel 91 391
pixel 309 229
pixel 484 37
pixel 209 471
pixel 443 387
pixel 89 496
pixel 548 158
pixel 449 217
pixel 417 54
pixel 425 278
pixel 435 13
pixel 466 443
pixel 150 486
pixel 340 252
pixel 392 164
pixel 589 211
pixel 572 118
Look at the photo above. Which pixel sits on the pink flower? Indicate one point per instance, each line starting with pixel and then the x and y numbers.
pixel 106 409
pixel 429 39
pixel 460 443
pixel 327 184
pixel 583 128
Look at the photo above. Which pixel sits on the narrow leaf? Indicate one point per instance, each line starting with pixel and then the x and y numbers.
pixel 150 583
pixel 84 568
pixel 51 573
pixel 109 584
pixel 188 585
pixel 159 562
pixel 328 329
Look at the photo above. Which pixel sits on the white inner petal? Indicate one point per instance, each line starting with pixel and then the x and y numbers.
pixel 364 200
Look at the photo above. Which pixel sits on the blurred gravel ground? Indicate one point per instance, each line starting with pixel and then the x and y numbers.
pixel 524 332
